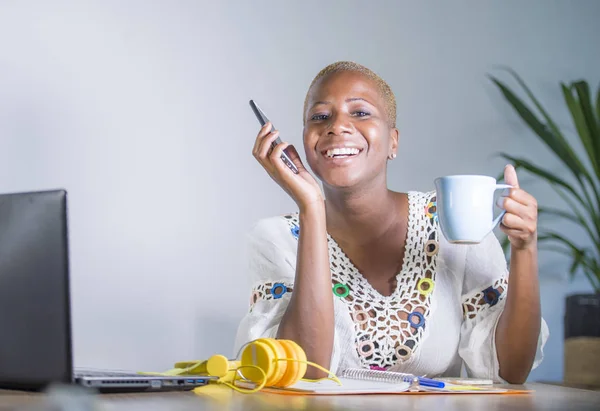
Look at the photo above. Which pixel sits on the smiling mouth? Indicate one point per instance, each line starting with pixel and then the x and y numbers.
pixel 342 152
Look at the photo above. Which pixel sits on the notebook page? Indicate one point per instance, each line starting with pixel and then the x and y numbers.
pixel 349 386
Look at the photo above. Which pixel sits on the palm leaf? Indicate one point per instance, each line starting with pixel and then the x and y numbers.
pixel 590 274
pixel 582 198
pixel 577 260
pixel 593 231
pixel 537 104
pixel 560 213
pixel 556 181
pixel 598 105
pixel 551 235
pixel 587 106
pixel 546 175
pixel 580 115
pixel 555 142
pixel 575 252
pixel 587 129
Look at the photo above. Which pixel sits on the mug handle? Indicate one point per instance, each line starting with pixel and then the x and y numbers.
pixel 499 218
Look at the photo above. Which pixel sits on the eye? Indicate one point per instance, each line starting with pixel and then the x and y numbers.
pixel 317 117
pixel 361 113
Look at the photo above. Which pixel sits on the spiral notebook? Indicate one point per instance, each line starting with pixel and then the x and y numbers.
pixel 364 381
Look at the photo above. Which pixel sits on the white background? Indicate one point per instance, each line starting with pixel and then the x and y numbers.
pixel 140 110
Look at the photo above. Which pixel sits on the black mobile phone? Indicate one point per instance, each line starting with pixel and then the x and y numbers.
pixel 262 119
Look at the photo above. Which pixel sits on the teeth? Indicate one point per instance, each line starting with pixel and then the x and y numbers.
pixel 342 151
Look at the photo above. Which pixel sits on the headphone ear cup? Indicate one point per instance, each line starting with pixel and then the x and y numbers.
pixel 218 365
pixel 292 374
pixel 261 355
pixel 279 367
pixel 301 357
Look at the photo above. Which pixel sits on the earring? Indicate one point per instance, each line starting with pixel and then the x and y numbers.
pixel 392 156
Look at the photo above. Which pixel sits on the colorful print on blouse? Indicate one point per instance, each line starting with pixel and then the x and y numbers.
pixel 389 329
pixel 484 299
pixel 270 291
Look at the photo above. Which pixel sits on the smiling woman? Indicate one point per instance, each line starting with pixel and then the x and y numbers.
pixel 359 111
pixel 361 277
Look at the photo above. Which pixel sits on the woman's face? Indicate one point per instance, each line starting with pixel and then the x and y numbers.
pixel 347 135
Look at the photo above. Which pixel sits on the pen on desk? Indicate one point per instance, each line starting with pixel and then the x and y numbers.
pixel 428 382
pixel 425 382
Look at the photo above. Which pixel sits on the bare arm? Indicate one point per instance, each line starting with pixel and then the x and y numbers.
pixel 519 325
pixel 309 318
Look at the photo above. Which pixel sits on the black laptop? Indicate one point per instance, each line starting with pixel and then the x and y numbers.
pixel 35 316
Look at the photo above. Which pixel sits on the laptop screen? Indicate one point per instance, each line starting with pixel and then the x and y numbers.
pixel 35 346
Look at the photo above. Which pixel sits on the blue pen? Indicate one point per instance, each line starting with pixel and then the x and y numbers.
pixel 428 382
pixel 411 378
pixel 392 376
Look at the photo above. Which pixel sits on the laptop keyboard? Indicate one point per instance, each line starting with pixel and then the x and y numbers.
pixel 84 372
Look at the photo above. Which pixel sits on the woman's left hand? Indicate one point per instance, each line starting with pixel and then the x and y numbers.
pixel 520 221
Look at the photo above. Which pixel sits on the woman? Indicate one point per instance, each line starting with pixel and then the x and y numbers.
pixel 361 277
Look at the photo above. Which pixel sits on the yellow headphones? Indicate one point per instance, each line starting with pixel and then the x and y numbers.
pixel 266 362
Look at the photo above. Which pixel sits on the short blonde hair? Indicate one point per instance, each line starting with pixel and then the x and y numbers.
pixel 350 66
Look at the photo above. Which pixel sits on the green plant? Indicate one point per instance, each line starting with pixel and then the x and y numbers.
pixel 582 196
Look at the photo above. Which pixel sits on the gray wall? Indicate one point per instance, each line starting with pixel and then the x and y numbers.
pixel 140 109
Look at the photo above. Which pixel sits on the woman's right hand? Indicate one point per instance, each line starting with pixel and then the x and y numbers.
pixel 302 187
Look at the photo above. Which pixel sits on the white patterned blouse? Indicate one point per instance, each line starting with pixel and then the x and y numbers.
pixel 442 315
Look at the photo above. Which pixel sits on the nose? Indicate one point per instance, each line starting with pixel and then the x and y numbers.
pixel 339 124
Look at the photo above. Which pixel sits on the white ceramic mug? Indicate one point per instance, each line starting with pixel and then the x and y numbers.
pixel 465 207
